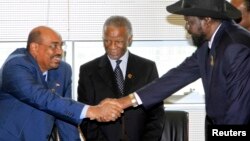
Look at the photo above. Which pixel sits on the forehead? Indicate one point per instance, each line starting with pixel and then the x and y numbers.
pixel 115 28
pixel 115 31
pixel 50 36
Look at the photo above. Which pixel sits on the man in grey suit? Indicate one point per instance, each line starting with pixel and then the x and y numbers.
pixel 97 81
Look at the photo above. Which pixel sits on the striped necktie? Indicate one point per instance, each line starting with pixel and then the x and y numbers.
pixel 119 77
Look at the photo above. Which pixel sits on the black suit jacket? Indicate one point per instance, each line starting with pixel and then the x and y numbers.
pixel 97 82
pixel 225 78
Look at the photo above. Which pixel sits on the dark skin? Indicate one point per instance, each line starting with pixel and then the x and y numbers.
pixel 200 27
pixel 47 51
pixel 115 41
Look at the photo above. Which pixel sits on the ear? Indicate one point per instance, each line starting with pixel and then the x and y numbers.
pixel 130 40
pixel 34 49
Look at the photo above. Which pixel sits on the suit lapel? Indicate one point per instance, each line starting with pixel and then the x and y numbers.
pixel 214 49
pixel 130 74
pixel 213 60
pixel 105 71
pixel 53 82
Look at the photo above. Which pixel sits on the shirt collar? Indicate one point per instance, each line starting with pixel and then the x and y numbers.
pixel 46 75
pixel 123 64
pixel 212 39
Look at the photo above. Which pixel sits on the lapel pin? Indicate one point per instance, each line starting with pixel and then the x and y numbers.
pixel 130 75
pixel 57 85
pixel 212 60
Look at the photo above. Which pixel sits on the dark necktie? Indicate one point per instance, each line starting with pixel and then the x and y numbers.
pixel 120 84
pixel 44 77
pixel 210 60
pixel 119 77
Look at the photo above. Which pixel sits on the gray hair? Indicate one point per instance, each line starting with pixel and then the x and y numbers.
pixel 118 21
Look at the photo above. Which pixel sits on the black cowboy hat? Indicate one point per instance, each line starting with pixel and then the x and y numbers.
pixel 218 9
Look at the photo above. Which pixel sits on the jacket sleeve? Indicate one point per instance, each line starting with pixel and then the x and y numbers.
pixel 237 68
pixel 21 79
pixel 175 79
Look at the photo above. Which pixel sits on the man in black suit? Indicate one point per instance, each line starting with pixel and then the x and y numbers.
pixel 97 82
pixel 222 62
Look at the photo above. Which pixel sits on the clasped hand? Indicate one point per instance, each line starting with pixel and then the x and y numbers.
pixel 107 110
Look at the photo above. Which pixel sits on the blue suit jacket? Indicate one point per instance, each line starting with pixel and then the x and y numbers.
pixel 226 82
pixel 30 106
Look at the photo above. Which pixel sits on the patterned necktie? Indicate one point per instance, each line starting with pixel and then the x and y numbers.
pixel 119 77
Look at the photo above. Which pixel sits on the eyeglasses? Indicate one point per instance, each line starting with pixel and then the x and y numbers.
pixel 54 45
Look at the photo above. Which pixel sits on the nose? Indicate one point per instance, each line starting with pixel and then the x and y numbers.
pixel 113 45
pixel 59 50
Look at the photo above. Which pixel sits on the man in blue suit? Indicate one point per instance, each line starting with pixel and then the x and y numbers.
pixel 222 62
pixel 31 104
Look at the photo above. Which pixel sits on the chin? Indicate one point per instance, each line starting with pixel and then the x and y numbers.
pixel 114 57
pixel 55 65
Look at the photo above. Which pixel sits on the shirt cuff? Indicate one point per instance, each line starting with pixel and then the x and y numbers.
pixel 138 99
pixel 84 112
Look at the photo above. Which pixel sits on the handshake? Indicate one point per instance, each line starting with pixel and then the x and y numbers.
pixel 110 109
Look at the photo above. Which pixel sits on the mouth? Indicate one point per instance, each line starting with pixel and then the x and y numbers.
pixel 113 51
pixel 57 59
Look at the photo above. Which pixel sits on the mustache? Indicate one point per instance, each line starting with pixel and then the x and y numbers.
pixel 57 56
